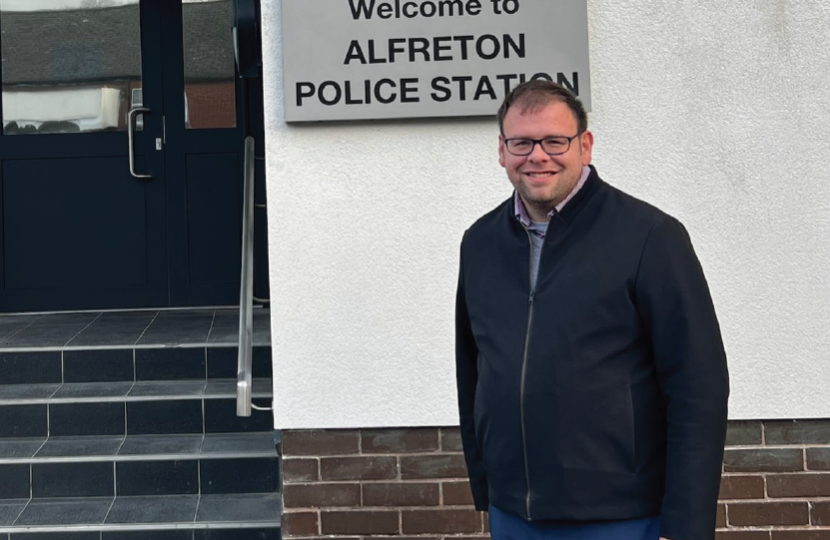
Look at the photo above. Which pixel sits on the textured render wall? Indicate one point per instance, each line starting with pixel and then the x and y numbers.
pixel 717 112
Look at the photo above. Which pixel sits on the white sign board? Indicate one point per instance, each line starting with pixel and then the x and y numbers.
pixel 363 59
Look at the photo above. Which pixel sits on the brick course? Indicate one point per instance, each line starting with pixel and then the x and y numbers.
pixel 359 468
pixel 410 484
pixel 818 459
pixel 741 487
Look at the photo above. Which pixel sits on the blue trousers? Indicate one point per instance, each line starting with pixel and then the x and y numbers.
pixel 504 526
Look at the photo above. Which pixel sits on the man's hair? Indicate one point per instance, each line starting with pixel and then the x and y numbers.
pixel 533 95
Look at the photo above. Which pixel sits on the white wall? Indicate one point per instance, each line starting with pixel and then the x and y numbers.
pixel 718 112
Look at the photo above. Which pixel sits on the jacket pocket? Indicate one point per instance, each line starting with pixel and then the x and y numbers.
pixel 596 429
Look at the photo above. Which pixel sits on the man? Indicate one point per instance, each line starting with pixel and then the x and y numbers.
pixel 592 380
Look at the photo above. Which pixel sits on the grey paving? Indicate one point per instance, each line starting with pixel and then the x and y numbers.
pixel 124 328
pixel 10 510
pixel 87 511
pixel 221 387
pixel 239 508
pixel 228 336
pixel 81 318
pixel 80 446
pixel 175 328
pixel 224 335
pixel 226 327
pixel 241 443
pixel 19 448
pixel 262 387
pixel 42 335
pixel 162 509
pixel 227 388
pixel 10 325
pixel 18 319
pixel 12 392
pixel 262 321
pixel 161 444
pixel 146 316
pixel 168 389
pixel 93 390
pixel 113 331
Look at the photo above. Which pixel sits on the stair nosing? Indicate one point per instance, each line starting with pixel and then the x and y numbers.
pixel 122 399
pixel 187 525
pixel 128 397
pixel 136 457
pixel 270 524
pixel 57 348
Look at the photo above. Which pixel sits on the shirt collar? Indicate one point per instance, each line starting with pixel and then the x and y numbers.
pixel 521 211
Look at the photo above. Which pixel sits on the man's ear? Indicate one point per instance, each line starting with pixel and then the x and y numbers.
pixel 587 147
pixel 501 150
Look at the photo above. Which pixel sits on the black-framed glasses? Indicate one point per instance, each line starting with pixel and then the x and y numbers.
pixel 554 145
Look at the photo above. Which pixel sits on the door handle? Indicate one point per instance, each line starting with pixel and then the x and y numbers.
pixel 130 138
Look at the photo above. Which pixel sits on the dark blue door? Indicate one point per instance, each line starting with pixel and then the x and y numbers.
pixel 209 110
pixel 79 230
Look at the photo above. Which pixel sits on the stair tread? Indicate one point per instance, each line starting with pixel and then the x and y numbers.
pixel 138 447
pixel 129 329
pixel 44 361
pixel 125 513
pixel 99 392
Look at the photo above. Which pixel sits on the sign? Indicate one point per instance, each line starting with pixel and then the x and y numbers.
pixel 366 59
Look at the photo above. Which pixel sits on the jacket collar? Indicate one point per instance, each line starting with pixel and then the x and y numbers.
pixel 578 202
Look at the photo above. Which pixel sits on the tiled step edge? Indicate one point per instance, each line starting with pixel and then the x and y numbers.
pixel 192 345
pixel 141 391
pixel 156 448
pixel 106 514
pixel 275 524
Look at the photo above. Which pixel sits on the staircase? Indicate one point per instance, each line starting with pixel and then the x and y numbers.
pixel 123 426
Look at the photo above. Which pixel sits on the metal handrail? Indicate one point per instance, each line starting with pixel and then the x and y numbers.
pixel 246 289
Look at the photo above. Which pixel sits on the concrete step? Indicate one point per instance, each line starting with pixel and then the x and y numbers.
pixel 165 417
pixel 123 426
pixel 139 448
pixel 73 480
pixel 128 329
pixel 104 392
pixel 97 515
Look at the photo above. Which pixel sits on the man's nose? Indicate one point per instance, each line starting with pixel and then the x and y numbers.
pixel 537 154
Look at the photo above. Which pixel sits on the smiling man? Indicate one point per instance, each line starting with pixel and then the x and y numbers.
pixel 592 380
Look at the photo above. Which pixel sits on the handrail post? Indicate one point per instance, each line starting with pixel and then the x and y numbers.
pixel 246 289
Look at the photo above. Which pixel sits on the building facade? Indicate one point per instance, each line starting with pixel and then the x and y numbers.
pixel 717 114
pixel 120 240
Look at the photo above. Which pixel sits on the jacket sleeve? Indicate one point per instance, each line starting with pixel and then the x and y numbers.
pixel 466 357
pixel 677 310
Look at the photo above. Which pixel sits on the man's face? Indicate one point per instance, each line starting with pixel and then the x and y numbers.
pixel 541 180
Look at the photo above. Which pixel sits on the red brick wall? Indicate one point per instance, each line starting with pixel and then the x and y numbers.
pixel 411 483
pixel 776 481
pixel 212 105
pixel 368 483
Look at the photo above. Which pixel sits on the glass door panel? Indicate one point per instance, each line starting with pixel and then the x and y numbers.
pixel 209 76
pixel 69 67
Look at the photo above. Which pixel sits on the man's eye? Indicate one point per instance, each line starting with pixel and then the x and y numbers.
pixel 521 144
pixel 554 142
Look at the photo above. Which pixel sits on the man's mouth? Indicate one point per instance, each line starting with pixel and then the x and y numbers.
pixel 547 174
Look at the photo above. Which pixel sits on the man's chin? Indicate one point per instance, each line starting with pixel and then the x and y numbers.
pixel 538 199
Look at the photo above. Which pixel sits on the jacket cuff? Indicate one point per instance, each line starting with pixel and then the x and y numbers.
pixel 481 498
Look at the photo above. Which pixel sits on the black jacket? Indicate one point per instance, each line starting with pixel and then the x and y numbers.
pixel 601 395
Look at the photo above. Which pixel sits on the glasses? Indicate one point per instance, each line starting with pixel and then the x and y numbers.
pixel 552 146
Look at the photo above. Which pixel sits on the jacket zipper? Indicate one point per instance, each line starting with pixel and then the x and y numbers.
pixel 524 362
